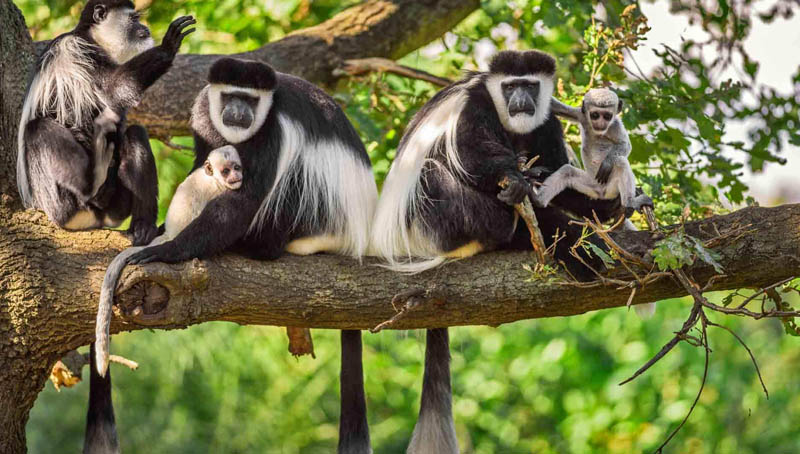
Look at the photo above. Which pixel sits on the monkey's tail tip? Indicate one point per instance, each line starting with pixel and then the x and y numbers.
pixel 101 356
pixel 412 267
pixel 645 311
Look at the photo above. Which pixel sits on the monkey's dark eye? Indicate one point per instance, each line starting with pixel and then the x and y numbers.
pixel 225 172
pixel 607 116
pixel 594 115
pixel 237 167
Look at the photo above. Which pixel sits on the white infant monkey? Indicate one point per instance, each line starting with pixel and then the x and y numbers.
pixel 605 147
pixel 221 172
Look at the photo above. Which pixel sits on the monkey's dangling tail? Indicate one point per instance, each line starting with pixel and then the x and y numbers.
pixel 353 428
pixel 435 432
pixel 101 430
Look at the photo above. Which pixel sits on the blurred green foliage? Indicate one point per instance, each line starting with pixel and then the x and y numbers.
pixel 544 386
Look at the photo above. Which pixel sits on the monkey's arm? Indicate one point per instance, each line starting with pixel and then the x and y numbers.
pixel 617 158
pixel 127 84
pixel 486 158
pixel 562 110
pixel 223 222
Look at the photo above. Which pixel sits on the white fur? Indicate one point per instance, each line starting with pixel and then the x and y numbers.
pixel 191 197
pixel 433 434
pixel 112 35
pixel 346 185
pixel 521 123
pixel 392 239
pixel 235 134
pixel 64 87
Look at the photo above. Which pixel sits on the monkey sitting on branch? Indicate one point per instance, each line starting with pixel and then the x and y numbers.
pixel 221 172
pixel 605 147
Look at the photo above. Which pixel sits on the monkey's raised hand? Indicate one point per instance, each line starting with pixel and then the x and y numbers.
pixel 606 167
pixel 176 32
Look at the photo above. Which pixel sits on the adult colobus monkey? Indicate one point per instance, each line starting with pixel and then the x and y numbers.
pixel 309 189
pixel 310 186
pixel 77 160
pixel 441 198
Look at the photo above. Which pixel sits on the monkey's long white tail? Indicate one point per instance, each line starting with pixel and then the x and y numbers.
pixel 103 324
pixel 414 267
pixel 645 311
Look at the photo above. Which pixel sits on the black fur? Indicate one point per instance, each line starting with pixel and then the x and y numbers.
pixel 353 428
pixel 242 73
pixel 87 14
pixel 457 215
pixel 60 161
pixel 233 211
pixel 60 158
pixel 516 63
pixel 101 432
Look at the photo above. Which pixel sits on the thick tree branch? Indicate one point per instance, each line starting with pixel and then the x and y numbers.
pixel 337 292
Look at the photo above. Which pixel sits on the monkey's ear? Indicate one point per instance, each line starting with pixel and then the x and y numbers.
pixel 208 168
pixel 100 13
pixel 619 106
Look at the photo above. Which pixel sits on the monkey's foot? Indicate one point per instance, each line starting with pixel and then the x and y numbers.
pixel 141 232
pixel 638 203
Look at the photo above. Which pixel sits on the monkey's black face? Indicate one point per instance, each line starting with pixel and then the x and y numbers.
pixel 238 109
pixel 521 96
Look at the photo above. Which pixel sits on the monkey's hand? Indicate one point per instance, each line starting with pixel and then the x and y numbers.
pixel 537 173
pixel 175 34
pixel 638 203
pixel 606 167
pixel 516 190
pixel 141 232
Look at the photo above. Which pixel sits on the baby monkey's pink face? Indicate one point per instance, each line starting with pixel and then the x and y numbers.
pixel 600 105
pixel 224 165
pixel 601 117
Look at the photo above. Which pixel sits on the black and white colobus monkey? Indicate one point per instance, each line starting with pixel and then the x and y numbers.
pixel 441 198
pixel 221 172
pixel 310 186
pixel 309 189
pixel 77 161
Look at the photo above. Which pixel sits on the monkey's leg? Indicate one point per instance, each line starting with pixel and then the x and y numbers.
pixel 60 174
pixel 101 429
pixel 566 177
pixel 353 428
pixel 435 430
pixel 627 191
pixel 556 228
pixel 106 123
pixel 137 175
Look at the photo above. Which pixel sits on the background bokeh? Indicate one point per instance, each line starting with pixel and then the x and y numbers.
pixel 712 114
